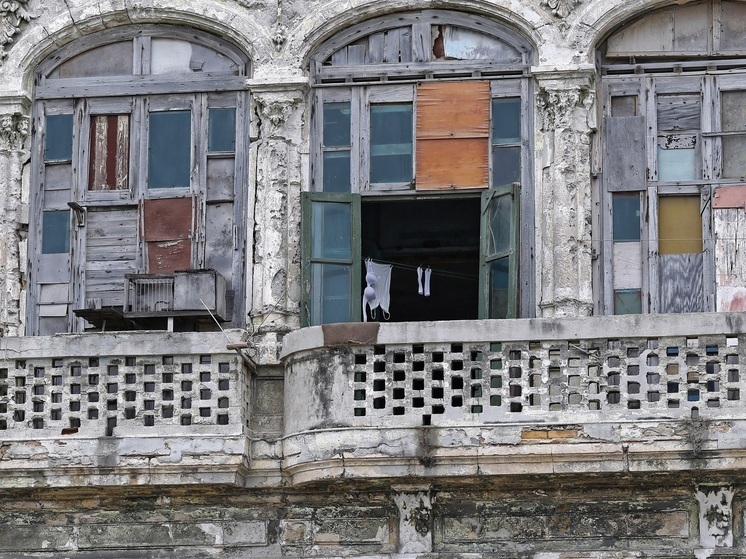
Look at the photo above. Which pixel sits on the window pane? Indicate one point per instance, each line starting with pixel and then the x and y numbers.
pixel 330 300
pixel 624 105
pixel 168 149
pixel 499 223
pixel 627 301
pixel 55 236
pixel 331 236
pixel 222 130
pixel 58 143
pixel 391 143
pixel 108 167
pixel 626 217
pixel 734 147
pixel 336 124
pixel 733 104
pixel 679 225
pixel 506 165
pixel 734 157
pixel 677 160
pixel 506 120
pixel 337 171
pixel 499 288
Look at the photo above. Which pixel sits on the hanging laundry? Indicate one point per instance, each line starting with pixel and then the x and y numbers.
pixel 377 292
pixel 428 273
pixel 426 289
pixel 420 291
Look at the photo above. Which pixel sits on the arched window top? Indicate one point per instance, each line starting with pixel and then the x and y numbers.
pixel 701 30
pixel 162 53
pixel 418 44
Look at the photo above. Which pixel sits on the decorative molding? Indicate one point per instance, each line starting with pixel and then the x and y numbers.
pixel 560 8
pixel 557 106
pixel 274 110
pixel 14 129
pixel 715 516
pixel 13 15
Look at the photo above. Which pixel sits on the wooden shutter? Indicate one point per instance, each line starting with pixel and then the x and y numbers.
pixel 624 153
pixel 453 135
pixel 167 231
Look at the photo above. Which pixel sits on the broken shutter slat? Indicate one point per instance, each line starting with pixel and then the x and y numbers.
pixel 624 154
pixel 453 129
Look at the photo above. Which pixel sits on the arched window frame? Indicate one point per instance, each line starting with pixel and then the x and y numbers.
pixel 358 79
pixel 114 232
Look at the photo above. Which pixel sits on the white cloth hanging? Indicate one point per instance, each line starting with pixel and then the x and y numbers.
pixel 377 292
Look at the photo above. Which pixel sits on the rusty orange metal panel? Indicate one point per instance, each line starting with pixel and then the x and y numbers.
pixel 453 110
pixel 108 167
pixel 453 130
pixel 169 256
pixel 453 163
pixel 167 219
pixel 729 197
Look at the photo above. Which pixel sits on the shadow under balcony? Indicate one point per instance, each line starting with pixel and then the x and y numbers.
pixel 642 393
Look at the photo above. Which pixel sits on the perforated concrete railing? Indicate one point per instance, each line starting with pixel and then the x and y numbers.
pixel 113 394
pixel 521 381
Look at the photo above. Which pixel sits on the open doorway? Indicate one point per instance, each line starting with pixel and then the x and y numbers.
pixel 440 233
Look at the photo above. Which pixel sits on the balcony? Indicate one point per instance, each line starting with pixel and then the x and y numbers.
pixel 596 395
pixel 122 408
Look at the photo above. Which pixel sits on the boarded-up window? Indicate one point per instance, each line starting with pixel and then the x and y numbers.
pixel 109 159
pixel 167 231
pixel 453 135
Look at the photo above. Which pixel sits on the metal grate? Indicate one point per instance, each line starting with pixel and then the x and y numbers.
pixel 148 294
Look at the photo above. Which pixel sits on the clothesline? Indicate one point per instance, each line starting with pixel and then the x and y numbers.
pixel 434 270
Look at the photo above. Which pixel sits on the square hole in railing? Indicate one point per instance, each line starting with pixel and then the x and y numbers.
pixel 514 372
pixel 93 379
pixel 418 384
pixel 418 366
pixel 379 385
pixel 4 373
pixel 592 388
pixel 130 378
pixel 555 353
pixel 457 365
pixel 130 396
pixel 205 394
pixel 573 380
pixel 652 343
pixel 654 396
pixel 379 403
pixel 496 400
pixel 129 413
pixel 734 394
pixel 437 392
pixel 692 359
pixel 713 386
pixel 167 394
pixel 167 378
pixel 186 368
pixel 223 403
pixel 555 372
pixel 186 403
pixel 437 357
pixel 75 370
pixel 205 359
pixel 633 404
pixel 476 408
pixel 112 387
pixel 592 370
pixel 56 397
pixel 534 345
pixel 3 390
pixel 400 376
pixel 515 390
pixel 20 398
pixel 457 383
pixel 516 407
pixel 418 402
pixel 731 341
pixel 204 376
pixel 149 405
pixel 398 393
pixel 224 368
pixel 633 352
pixel 359 412
pixel 594 405
pixel 534 362
pixel 672 369
pixel 418 348
pixel 111 405
pixel 38 407
pixel 438 374
pixel 358 395
pixel 733 375
pixel 167 411
pixel 112 370
pixel 37 423
pixel 19 415
pixel 574 399
pixel 672 387
pixel 496 346
pixel 400 357
pixel 186 419
pixel 534 399
pixel 223 419
pixel 633 370
pixel 426 420
pixel 398 410
pixel 514 354
pixel 457 348
pixel 56 414
pixel 379 366
pixel 692 395
pixel 93 397
pixel 476 390
pixel 149 387
pixel 379 350
pixel 555 406
pixel 186 385
pixel 74 405
pixel 731 359
pixel 167 360
pixel 148 420
pixel 613 397
pixel 712 368
pixel 653 360
pixel 20 381
pixel 496 364
pixel 713 403
pixel 475 355
pixel 93 361
pixel 535 380
pixel 438 409
pixel 672 351
pixel 573 362
pixel 149 368
pixel 654 378
pixel 205 412
pixel 74 422
pixel 692 377
pixel 711 350
pixel 633 387
pixel 38 372
pixel 613 379
pixel 39 390
pixel 130 361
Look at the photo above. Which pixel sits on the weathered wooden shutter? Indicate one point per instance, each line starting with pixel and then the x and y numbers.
pixel 453 135
pixel 167 232
pixel 624 153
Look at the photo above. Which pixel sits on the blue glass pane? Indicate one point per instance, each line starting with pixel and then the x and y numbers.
pixel 506 120
pixel 506 165
pixel 337 171
pixel 222 130
pixel 330 299
pixel 331 235
pixel 169 148
pixel 627 301
pixel 336 124
pixel 626 217
pixel 55 234
pixel 58 143
pixel 499 288
pixel 391 143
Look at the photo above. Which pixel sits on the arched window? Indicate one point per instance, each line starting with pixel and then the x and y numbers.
pixel 420 166
pixel 674 161
pixel 140 146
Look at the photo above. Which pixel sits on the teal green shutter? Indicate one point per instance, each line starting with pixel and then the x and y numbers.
pixel 498 281
pixel 330 272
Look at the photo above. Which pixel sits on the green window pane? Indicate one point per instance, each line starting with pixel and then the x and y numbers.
pixel 499 271
pixel 337 171
pixel 55 234
pixel 169 148
pixel 221 130
pixel 626 217
pixel 391 143
pixel 627 301
pixel 330 300
pixel 506 120
pixel 499 224
pixel 58 141
pixel 331 236
pixel 336 124
pixel 506 165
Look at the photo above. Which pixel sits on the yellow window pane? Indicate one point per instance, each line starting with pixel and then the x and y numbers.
pixel 679 225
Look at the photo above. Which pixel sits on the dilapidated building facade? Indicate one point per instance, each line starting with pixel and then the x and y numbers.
pixel 283 278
